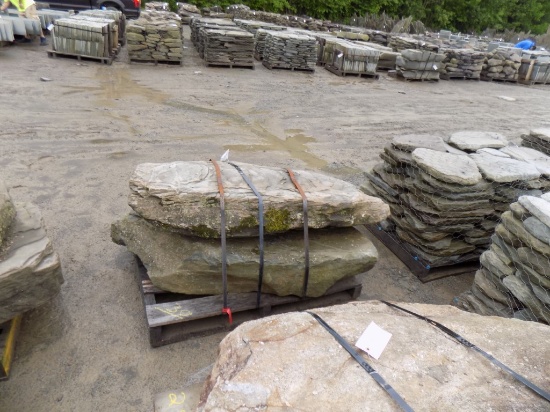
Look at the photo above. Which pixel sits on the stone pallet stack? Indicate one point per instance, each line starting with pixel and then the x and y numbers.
pixel 6 31
pixel 187 12
pixel 387 59
pixel 419 64
pixel 289 50
pixel 514 278
pixel 156 36
pixel 354 58
pixel 117 16
pixel 259 42
pixel 462 63
pixel 197 23
pixel 379 37
pixel 83 37
pixel 178 240
pixel 48 17
pixel 326 47
pixel 535 67
pixel 22 26
pixel 30 271
pixel 253 26
pixel 398 43
pixel 538 139
pixel 112 33
pixel 228 47
pixel 446 197
pixel 502 64
pixel 307 23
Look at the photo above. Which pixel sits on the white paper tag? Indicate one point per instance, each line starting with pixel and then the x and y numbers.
pixel 50 27
pixel 373 340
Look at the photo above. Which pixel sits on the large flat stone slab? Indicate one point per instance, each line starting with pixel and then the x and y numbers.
pixel 538 207
pixel 474 140
pixel 184 195
pixel 30 271
pixel 503 170
pixel 409 142
pixel 191 265
pixel 450 168
pixel 541 133
pixel 290 362
pixel 7 211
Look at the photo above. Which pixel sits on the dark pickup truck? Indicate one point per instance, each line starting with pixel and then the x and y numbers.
pixel 130 8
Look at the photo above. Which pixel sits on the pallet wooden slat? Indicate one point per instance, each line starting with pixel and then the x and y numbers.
pixel 339 72
pixel 8 335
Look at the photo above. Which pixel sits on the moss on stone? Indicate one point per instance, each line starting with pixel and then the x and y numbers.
pixel 204 232
pixel 277 221
pixel 246 223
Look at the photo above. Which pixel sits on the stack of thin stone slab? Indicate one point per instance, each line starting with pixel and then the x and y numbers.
pixel 538 139
pixel 116 15
pixel 83 37
pixel 176 227
pixel 514 278
pixel 326 47
pixel 199 22
pixel 502 64
pixel 48 16
pixel 187 12
pixel 398 43
pixel 387 59
pixel 307 23
pixel 228 47
pixel 22 26
pixel 354 58
pixel 156 36
pixel 419 64
pixel 290 50
pixel 112 33
pixel 6 31
pixel 462 63
pixel 535 67
pixel 253 26
pixel 446 197
pixel 259 42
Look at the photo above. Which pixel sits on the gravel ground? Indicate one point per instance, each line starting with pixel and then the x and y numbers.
pixel 70 145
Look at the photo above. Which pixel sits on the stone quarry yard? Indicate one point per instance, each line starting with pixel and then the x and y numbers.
pixel 69 145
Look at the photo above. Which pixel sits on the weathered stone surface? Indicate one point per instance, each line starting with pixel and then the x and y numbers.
pixel 516 227
pixel 191 265
pixel 184 195
pixel 538 207
pixel 448 167
pixel 532 259
pixel 400 157
pixel 30 271
pixel 491 261
pixel 532 156
pixel 410 142
pixel 500 309
pixel 472 141
pixel 482 188
pixel 7 211
pixel 519 211
pixel 524 294
pixel 542 133
pixel 537 229
pixel 491 285
pixel 503 170
pixel 492 152
pixel 291 362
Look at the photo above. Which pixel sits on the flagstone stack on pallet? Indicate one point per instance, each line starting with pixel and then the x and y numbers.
pixel 387 59
pixel 419 64
pixel 88 37
pixel 116 15
pixel 113 29
pixel 48 16
pixel 502 64
pixel 351 58
pixel 538 139
pixel 253 26
pixel 288 50
pixel 187 12
pixel 228 47
pixel 307 23
pixel 326 47
pixel 22 26
pixel 176 228
pixel 514 278
pixel 463 63
pixel 535 67
pixel 197 23
pixel 259 41
pixel 155 37
pixel 398 43
pixel 446 197
pixel 30 270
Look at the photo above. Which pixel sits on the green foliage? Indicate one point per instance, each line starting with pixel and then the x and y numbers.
pixel 173 5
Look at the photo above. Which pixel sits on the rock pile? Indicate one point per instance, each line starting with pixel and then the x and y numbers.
pixel 514 278
pixel 228 47
pixel 307 23
pixel 419 65
pixel 155 36
pixel 30 271
pixel 292 360
pixel 444 202
pixel 398 43
pixel 290 50
pixel 502 64
pixel 176 228
pixel 462 63
pixel 187 11
pixel 538 139
pixel 83 37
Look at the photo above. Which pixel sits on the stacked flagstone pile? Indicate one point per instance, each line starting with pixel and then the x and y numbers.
pixel 379 37
pixel 446 197
pixel 188 11
pixel 228 47
pixel 253 26
pixel 22 26
pixel 348 35
pixel 290 51
pixel 88 37
pixel 259 41
pixel 350 57
pixel 175 229
pixel 307 23
pixel 514 278
pixel 502 64
pixel 387 59
pixel 198 23
pixel 116 15
pixel 326 47
pixel 462 63
pixel 112 32
pixel 538 139
pixel 398 43
pixel 30 271
pixel 155 36
pixel 419 64
pixel 535 67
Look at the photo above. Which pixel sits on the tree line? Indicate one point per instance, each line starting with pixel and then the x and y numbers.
pixel 466 16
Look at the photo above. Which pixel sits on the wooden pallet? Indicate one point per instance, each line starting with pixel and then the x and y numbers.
pixel 232 66
pixel 423 271
pixel 339 72
pixel 490 79
pixel 398 75
pixel 294 69
pixel 175 317
pixel 104 60
pixel 8 334
pixel 157 62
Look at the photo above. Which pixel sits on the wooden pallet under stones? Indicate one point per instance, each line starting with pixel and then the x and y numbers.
pixel 175 317
pixel 491 79
pixel 8 335
pixel 272 67
pixel 339 72
pixel 157 62
pixel 104 60
pixel 396 74
pixel 231 65
pixel 418 268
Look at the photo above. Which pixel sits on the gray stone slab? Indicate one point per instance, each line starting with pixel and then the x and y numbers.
pixel 542 134
pixel 537 229
pixel 538 207
pixel 410 142
pixel 492 152
pixel 524 294
pixel 475 140
pixel 450 168
pixel 504 170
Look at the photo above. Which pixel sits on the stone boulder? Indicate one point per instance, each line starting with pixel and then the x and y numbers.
pixel 290 362
pixel 30 271
pixel 184 264
pixel 7 211
pixel 184 195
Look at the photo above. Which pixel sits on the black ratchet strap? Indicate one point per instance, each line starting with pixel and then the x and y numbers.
pixel 226 308
pixel 306 230
pixel 468 344
pixel 375 375
pixel 261 228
